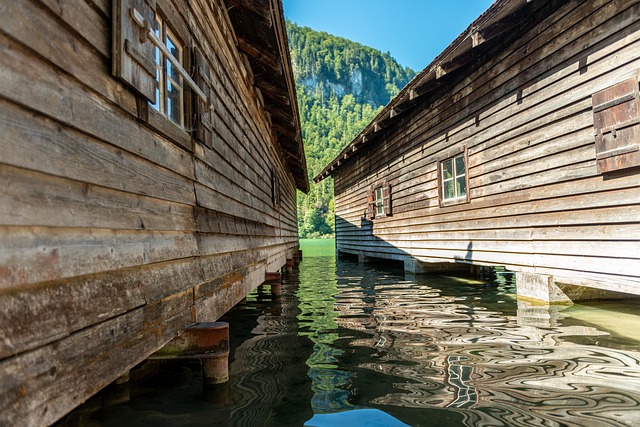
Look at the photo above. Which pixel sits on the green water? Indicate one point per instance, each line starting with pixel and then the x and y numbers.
pixel 318 247
pixel 362 345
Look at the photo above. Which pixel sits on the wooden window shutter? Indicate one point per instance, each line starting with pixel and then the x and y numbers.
pixel 203 113
pixel 386 198
pixel 275 188
pixel 616 119
pixel 133 53
pixel 371 208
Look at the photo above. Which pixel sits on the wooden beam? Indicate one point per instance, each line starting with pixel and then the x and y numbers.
pixel 268 59
pixel 284 131
pixel 503 25
pixel 288 146
pixel 282 114
pixel 257 7
pixel 476 38
pixel 272 88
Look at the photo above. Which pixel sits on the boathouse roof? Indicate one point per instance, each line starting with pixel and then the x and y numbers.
pixel 261 35
pixel 489 29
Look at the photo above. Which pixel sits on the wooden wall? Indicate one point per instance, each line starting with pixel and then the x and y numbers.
pixel 116 232
pixel 537 202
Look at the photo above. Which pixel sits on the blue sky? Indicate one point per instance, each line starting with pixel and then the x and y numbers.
pixel 412 31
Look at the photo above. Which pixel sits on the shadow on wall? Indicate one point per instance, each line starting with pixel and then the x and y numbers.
pixel 360 241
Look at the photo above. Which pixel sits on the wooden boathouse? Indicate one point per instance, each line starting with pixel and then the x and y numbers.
pixel 518 146
pixel 150 153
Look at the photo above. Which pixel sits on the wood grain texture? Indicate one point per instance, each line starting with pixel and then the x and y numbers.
pixel 538 203
pixel 117 227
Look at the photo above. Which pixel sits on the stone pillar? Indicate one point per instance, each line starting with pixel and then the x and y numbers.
pixel 413 266
pixel 540 287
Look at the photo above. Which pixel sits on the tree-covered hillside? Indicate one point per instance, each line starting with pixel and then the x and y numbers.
pixel 341 86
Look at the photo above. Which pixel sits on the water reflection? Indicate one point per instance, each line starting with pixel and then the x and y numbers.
pixel 351 344
pixel 462 349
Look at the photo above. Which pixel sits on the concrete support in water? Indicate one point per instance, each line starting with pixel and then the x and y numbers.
pixel 207 341
pixel 539 287
pixel 362 259
pixel 413 266
pixel 547 289
pixel 290 264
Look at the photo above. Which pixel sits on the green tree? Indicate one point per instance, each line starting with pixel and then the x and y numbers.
pixel 341 87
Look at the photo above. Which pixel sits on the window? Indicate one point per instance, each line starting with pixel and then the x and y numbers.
pixel 275 189
pixel 453 179
pixel 169 100
pixel 379 201
pixel 616 119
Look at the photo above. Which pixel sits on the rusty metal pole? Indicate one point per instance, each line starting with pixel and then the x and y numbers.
pixel 212 340
pixel 215 369
pixel 276 289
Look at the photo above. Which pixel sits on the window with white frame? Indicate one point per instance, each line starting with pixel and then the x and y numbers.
pixel 170 90
pixel 379 201
pixel 454 180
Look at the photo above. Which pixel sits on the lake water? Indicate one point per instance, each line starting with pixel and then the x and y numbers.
pixel 363 345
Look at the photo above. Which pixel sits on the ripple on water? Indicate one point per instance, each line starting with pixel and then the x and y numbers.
pixel 351 344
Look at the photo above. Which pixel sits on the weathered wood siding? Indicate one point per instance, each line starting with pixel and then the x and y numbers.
pixel 537 201
pixel 115 233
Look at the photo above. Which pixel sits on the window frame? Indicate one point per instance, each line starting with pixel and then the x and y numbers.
pixel 275 189
pixel 452 156
pixel 379 200
pixel 167 33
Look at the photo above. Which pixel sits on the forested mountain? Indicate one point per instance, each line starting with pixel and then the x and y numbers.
pixel 341 86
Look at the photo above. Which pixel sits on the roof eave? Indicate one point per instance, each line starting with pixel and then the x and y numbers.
pixel 500 17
